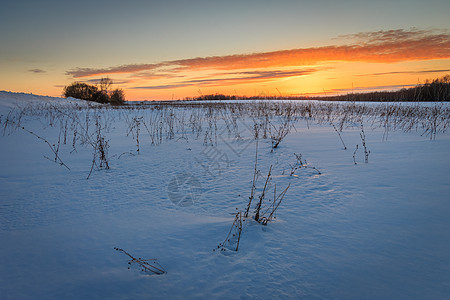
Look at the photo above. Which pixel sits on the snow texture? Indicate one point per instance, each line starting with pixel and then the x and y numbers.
pixel 376 230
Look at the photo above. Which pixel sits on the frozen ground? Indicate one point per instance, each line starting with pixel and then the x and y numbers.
pixel 376 230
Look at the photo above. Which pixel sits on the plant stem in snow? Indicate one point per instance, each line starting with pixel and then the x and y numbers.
pixel 253 183
pixel 263 194
pixel 345 147
pixel 354 155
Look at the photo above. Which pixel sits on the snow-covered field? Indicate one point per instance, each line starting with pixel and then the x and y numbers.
pixel 178 174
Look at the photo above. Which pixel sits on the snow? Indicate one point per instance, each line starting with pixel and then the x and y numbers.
pixel 371 230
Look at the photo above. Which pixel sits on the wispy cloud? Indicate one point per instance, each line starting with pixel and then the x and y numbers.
pixel 380 46
pixel 162 86
pixel 372 88
pixel 86 72
pixel 395 35
pixel 98 80
pixel 235 78
pixel 156 75
pixel 37 71
pixel 407 72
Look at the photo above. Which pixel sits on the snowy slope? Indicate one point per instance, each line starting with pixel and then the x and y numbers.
pixel 11 100
pixel 371 230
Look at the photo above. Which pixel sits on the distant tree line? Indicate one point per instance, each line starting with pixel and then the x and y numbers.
pixel 216 97
pixel 101 93
pixel 435 90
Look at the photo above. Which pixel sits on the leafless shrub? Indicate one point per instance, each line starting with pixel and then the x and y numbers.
pixel 279 133
pixel 261 125
pixel 265 210
pixel 100 146
pixel 134 128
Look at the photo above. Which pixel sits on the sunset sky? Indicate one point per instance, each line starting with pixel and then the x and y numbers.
pixel 176 49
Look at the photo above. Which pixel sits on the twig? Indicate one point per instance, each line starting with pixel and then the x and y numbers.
pixel 301 164
pixel 236 227
pixel 154 267
pixel 363 139
pixel 354 154
pixel 263 194
pixel 53 148
pixel 278 201
pixel 253 183
pixel 345 147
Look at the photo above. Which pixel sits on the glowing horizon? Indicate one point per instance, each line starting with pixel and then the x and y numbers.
pixel 401 52
pixel 285 68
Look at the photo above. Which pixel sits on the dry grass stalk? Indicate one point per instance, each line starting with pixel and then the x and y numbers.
pixel 147 265
pixel 233 238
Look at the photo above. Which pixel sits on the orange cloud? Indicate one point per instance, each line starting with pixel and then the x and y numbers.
pixel 407 72
pixel 372 88
pixel 237 78
pixel 379 47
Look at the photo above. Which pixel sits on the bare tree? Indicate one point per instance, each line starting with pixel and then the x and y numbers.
pixel 105 85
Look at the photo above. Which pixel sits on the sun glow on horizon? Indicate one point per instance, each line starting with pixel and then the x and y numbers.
pixel 335 79
pixel 327 79
pixel 381 60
